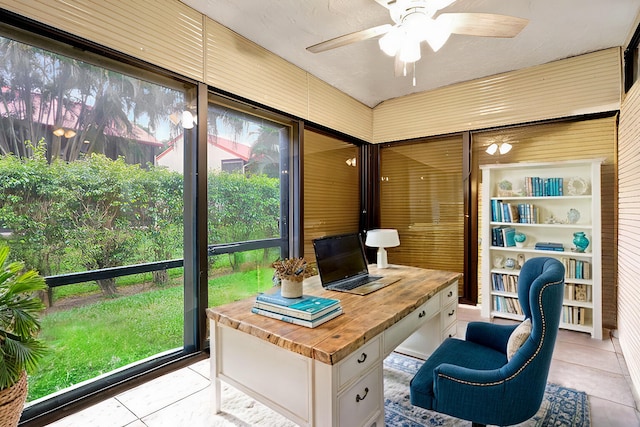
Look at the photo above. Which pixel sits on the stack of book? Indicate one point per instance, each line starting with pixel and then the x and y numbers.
pixel 307 310
pixel 549 246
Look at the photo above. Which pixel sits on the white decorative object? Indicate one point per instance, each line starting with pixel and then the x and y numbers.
pixel 577 186
pixel 381 239
pixel 573 216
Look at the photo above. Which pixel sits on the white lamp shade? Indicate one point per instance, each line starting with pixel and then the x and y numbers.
pixel 383 238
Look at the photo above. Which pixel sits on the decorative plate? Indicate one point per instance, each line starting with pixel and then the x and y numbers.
pixel 577 186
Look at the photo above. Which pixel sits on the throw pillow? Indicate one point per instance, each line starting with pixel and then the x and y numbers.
pixel 518 337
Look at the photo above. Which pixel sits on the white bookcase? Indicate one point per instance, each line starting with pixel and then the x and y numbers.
pixel 570 203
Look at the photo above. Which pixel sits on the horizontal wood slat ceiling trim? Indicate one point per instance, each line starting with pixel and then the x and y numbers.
pixel 237 65
pixel 628 236
pixel 331 189
pixel 330 107
pixel 585 84
pixel 169 36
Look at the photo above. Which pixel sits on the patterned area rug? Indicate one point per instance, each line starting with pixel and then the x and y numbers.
pixel 560 407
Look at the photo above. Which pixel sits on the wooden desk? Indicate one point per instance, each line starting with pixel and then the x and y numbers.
pixel 331 375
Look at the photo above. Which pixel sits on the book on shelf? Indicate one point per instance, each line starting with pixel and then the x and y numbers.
pixel 503 236
pixel 296 321
pixel 549 246
pixel 577 292
pixel 310 308
pixel 542 187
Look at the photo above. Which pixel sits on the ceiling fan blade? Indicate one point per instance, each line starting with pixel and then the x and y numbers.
pixel 483 24
pixel 385 3
pixel 350 38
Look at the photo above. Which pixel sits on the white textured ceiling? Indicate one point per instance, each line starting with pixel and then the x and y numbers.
pixel 557 29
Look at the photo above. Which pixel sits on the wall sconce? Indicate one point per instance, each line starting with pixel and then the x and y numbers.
pixel 351 162
pixel 381 239
pixel 503 148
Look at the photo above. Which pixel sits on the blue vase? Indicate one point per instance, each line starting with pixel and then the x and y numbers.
pixel 580 240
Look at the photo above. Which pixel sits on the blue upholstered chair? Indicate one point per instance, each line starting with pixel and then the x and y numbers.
pixel 472 378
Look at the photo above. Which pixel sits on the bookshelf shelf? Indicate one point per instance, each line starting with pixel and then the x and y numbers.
pixel 540 203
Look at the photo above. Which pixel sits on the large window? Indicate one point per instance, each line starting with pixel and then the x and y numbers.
pixel 247 197
pixel 85 201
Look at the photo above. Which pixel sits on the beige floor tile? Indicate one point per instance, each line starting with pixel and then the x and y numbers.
pixel 608 414
pixel 594 382
pixel 192 411
pixel 587 356
pixel 108 413
pixel 202 367
pixel 161 392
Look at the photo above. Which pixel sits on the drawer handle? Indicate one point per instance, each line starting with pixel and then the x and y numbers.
pixel 450 294
pixel 366 391
pixel 452 312
pixel 421 314
pixel 363 357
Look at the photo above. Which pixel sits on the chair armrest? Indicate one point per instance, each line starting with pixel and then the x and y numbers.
pixel 490 334
pixel 468 393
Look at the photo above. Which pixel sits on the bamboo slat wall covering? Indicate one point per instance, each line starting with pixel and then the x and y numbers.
pixel 629 232
pixel 584 84
pixel 239 66
pixel 563 141
pixel 331 188
pixel 169 36
pixel 421 196
pixel 338 111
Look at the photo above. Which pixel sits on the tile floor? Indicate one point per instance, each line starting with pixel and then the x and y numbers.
pixel 181 397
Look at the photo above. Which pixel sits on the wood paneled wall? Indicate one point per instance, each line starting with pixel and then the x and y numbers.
pixel 583 84
pixel 629 233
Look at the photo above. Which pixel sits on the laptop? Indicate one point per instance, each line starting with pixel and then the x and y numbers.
pixel 342 265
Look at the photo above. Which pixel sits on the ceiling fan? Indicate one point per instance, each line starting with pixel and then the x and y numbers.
pixel 416 21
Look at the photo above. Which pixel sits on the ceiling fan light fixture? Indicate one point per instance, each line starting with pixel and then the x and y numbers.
pixel 390 42
pixel 436 33
pixel 410 51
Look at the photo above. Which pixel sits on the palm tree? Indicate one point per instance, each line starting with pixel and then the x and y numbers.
pixel 20 350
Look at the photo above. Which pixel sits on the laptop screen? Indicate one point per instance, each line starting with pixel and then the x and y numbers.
pixel 340 257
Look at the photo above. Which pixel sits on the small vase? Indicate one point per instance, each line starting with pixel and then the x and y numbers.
pixel 580 240
pixel 520 239
pixel 291 288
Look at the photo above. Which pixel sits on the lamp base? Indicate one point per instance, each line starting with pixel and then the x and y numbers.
pixel 382 258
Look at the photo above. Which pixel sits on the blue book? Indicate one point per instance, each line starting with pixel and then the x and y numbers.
pixel 301 322
pixel 310 308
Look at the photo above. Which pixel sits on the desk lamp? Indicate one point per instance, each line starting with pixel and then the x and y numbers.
pixel 381 239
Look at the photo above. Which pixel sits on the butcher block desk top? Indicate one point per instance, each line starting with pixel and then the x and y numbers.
pixel 363 318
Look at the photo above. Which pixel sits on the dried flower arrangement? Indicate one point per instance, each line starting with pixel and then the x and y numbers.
pixel 294 269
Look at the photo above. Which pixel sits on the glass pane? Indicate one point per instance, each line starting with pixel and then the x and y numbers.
pixel 331 188
pixel 244 186
pixel 421 195
pixel 81 190
pixel 228 285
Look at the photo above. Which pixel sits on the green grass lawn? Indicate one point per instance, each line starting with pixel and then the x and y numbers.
pixel 91 340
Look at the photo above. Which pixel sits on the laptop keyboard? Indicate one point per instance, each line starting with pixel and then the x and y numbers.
pixel 352 284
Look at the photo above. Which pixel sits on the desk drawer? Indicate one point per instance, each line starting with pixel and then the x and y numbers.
pixel 448 316
pixel 449 295
pixel 360 402
pixel 405 327
pixel 357 363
